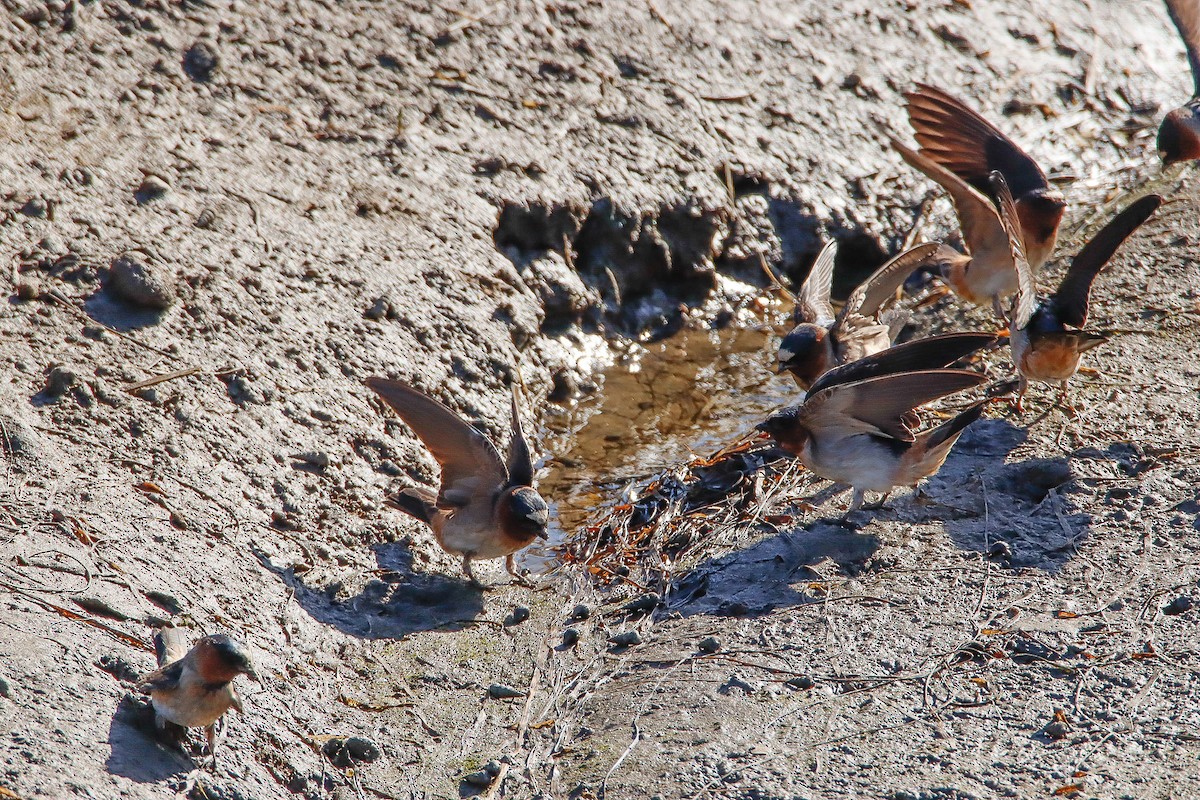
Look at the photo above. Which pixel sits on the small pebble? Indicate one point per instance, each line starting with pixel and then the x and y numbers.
pixel 200 62
pixel 498 691
pixel 152 188
pixel 519 615
pixel 581 612
pixel 6 689
pixel 60 379
pixel 318 458
pixel 53 245
pixel 28 288
pixel 350 751
pixel 480 779
pixel 709 645
pixel 640 605
pixel 136 279
pixel 626 639
pixel 1180 605
pixel 1056 730
pixel 800 682
pixel 570 637
pixel 382 308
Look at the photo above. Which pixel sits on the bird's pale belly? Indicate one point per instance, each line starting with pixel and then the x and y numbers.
pixel 204 709
pixel 859 460
pixel 985 280
pixel 479 540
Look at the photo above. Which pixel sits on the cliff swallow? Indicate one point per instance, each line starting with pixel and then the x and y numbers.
pixel 960 140
pixel 987 274
pixel 194 688
pixel 1044 348
pixel 856 424
pixel 821 340
pixel 1179 133
pixel 484 507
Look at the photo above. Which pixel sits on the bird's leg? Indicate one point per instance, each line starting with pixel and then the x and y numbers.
pixel 466 565
pixel 210 736
pixel 1065 401
pixel 998 309
pixel 880 504
pixel 1019 403
pixel 856 502
pixel 510 564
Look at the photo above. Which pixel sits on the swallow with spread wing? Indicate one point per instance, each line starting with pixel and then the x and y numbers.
pixel 959 149
pixel 484 507
pixel 194 688
pixel 822 340
pixel 1179 133
pixel 1046 336
pixel 856 425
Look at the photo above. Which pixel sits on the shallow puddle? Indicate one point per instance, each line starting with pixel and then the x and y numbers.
pixel 686 395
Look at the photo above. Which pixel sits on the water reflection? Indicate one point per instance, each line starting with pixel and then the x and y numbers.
pixel 686 395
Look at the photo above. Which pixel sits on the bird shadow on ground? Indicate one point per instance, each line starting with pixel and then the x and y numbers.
pixel 1018 513
pixel 118 315
pixel 760 578
pixel 134 752
pixel 394 603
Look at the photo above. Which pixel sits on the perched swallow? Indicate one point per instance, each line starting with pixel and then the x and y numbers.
pixel 820 340
pixel 1044 348
pixel 963 142
pixel 856 425
pixel 1179 133
pixel 484 508
pixel 194 688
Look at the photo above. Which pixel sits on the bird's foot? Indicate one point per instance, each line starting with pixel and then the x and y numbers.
pixel 519 577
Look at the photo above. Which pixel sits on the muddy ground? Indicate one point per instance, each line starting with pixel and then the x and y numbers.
pixel 264 203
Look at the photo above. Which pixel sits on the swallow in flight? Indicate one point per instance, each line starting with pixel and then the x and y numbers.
pixel 959 150
pixel 1046 335
pixel 822 340
pixel 484 507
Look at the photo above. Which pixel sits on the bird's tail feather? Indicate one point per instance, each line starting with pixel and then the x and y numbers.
pixel 949 430
pixel 169 645
pixel 415 503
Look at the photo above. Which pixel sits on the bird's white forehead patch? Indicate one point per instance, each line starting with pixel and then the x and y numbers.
pixel 534 516
pixel 785 354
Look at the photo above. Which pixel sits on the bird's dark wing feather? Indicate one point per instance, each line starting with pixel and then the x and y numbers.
pixel 165 678
pixel 520 462
pixel 934 352
pixel 876 290
pixel 1026 299
pixel 965 143
pixel 471 467
pixel 1071 299
pixel 1186 16
pixel 881 405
